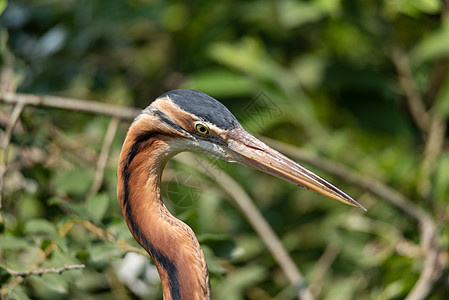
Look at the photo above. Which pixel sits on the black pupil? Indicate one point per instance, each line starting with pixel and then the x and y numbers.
pixel 202 129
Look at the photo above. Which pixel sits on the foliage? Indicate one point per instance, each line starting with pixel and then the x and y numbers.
pixel 362 83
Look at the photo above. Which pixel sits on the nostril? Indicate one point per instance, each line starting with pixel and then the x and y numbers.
pixel 252 146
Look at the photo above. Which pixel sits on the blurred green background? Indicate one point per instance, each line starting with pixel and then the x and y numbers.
pixel 360 83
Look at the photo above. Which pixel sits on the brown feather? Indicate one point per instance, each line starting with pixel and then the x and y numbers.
pixel 180 117
pixel 170 242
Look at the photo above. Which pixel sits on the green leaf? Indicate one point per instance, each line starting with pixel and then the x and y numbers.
pixel 19 293
pixel 10 242
pixel 342 289
pixel 30 207
pixel 4 275
pixel 212 262
pixel 247 55
pixel 223 243
pixel 220 83
pixel 41 227
pixel 442 99
pixel 2 227
pixel 101 254
pixel 234 284
pixel 82 255
pixel 427 6
pixel 3 4
pixel 434 45
pixel 74 181
pixel 442 178
pixel 414 8
pixel 309 69
pixel 49 286
pixel 97 205
pixel 295 13
pixel 76 208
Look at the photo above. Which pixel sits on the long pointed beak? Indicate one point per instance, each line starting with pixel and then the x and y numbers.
pixel 252 152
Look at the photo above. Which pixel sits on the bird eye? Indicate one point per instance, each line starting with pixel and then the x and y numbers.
pixel 201 128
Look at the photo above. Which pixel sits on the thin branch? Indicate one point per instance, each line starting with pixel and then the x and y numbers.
pixel 437 126
pixel 322 267
pixel 62 232
pixel 435 262
pixel 260 225
pixel 445 10
pixel 433 148
pixel 122 112
pixel 435 259
pixel 105 235
pixel 4 143
pixel 41 272
pixel 104 154
pixel 407 83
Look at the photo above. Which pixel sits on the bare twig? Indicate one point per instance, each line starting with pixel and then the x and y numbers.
pixel 431 123
pixel 260 225
pixel 435 259
pixel 322 267
pixel 41 272
pixel 445 11
pixel 4 143
pixel 104 154
pixel 437 124
pixel 44 254
pixel 434 146
pixel 414 99
pixel 105 235
pixel 122 112
pixel 435 262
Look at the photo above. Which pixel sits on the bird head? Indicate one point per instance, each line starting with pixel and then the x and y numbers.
pixel 194 121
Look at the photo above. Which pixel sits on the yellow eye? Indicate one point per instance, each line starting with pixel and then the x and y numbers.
pixel 201 128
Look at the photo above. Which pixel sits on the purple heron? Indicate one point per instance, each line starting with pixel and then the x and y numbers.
pixel 188 120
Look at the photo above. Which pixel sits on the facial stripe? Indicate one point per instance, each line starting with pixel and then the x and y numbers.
pixel 164 118
pixel 177 116
pixel 173 116
pixel 203 106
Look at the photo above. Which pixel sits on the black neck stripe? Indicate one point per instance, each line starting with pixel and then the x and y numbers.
pixel 157 256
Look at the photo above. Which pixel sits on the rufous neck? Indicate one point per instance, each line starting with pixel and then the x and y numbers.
pixel 171 243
